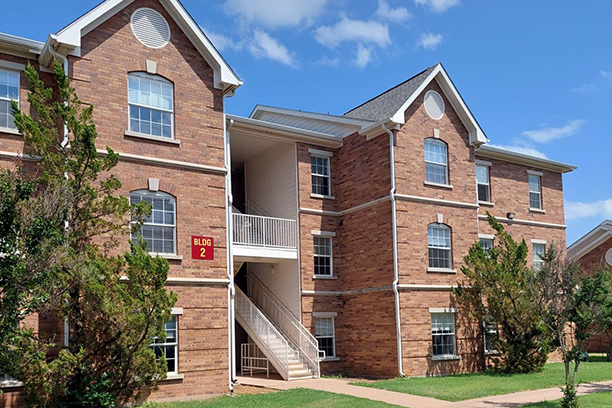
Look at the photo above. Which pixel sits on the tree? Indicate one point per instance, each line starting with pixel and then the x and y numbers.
pixel 496 291
pixel 114 305
pixel 574 305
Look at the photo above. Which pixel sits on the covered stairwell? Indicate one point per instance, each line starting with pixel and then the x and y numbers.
pixel 290 348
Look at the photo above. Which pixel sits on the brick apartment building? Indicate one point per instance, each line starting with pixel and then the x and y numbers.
pixel 594 250
pixel 301 242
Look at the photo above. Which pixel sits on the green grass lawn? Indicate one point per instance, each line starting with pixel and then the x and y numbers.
pixel 598 400
pixel 283 399
pixel 467 386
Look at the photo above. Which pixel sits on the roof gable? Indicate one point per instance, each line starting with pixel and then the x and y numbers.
pixel 591 240
pixel 68 40
pixel 391 106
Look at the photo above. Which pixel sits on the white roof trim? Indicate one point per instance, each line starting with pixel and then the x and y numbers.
pixel 591 240
pixel 477 136
pixel 524 159
pixel 70 37
pixel 271 130
pixel 19 46
pixel 310 115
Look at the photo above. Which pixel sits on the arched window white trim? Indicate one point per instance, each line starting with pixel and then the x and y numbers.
pixel 151 105
pixel 436 161
pixel 159 229
pixel 439 246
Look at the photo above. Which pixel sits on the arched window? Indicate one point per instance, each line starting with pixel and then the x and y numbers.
pixel 436 161
pixel 151 104
pixel 439 246
pixel 159 229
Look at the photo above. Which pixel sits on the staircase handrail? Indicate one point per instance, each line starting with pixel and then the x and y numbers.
pixel 260 325
pixel 300 336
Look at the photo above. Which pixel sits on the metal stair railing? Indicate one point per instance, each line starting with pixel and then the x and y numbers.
pixel 286 322
pixel 264 331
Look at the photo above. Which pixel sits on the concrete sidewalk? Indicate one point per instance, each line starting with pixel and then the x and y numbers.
pixel 340 386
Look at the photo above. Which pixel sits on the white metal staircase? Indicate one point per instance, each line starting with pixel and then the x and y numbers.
pixel 284 356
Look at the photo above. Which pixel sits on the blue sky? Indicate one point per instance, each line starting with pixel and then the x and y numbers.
pixel 536 74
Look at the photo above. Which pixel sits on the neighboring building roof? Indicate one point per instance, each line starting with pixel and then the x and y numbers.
pixel 19 46
pixel 521 158
pixel 591 240
pixel 389 102
pixel 338 126
pixel 68 40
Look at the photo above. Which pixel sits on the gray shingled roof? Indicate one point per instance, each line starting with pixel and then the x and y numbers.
pixel 388 103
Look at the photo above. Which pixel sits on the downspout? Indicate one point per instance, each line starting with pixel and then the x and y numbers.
pixel 231 290
pixel 398 326
pixel 64 60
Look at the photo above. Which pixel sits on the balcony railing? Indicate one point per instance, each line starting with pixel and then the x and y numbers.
pixel 265 232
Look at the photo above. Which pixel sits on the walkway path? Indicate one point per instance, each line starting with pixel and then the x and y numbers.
pixel 340 386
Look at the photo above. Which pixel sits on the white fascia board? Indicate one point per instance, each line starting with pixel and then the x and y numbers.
pixel 477 136
pixel 70 36
pixel 597 234
pixel 524 159
pixel 20 46
pixel 264 129
pixel 310 115
pixel 376 129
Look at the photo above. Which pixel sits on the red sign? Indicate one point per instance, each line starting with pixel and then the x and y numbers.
pixel 202 248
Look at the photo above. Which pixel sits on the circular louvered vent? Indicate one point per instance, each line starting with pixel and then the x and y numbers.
pixel 150 27
pixel 609 257
pixel 434 105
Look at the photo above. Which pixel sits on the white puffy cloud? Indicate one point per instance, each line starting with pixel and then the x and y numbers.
pixel 398 14
pixel 438 6
pixel 276 13
pixel 548 134
pixel 523 149
pixel 430 41
pixel 223 42
pixel 264 46
pixel 330 62
pixel 601 209
pixel 363 57
pixel 346 30
pixel 584 89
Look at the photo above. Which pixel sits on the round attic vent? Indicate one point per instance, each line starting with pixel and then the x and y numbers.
pixel 434 105
pixel 150 27
pixel 609 257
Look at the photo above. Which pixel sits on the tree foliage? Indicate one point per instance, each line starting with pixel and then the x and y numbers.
pixel 574 305
pixel 496 291
pixel 114 305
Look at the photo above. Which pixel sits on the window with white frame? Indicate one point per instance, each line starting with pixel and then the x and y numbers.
pixel 443 334
pixel 169 347
pixel 151 103
pixel 439 246
pixel 486 244
pixel 320 175
pixel 483 183
pixel 490 334
pixel 535 191
pixel 324 332
pixel 538 250
pixel 9 91
pixel 322 256
pixel 159 228
pixel 436 161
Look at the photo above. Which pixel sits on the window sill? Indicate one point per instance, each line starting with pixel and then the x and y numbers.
pixel 442 270
pixel 324 277
pixel 429 183
pixel 10 130
pixel 171 257
pixel 154 138
pixel 537 210
pixel 445 358
pixel 330 359
pixel 325 197
pixel 174 377
pixel 486 203
pixel 10 384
